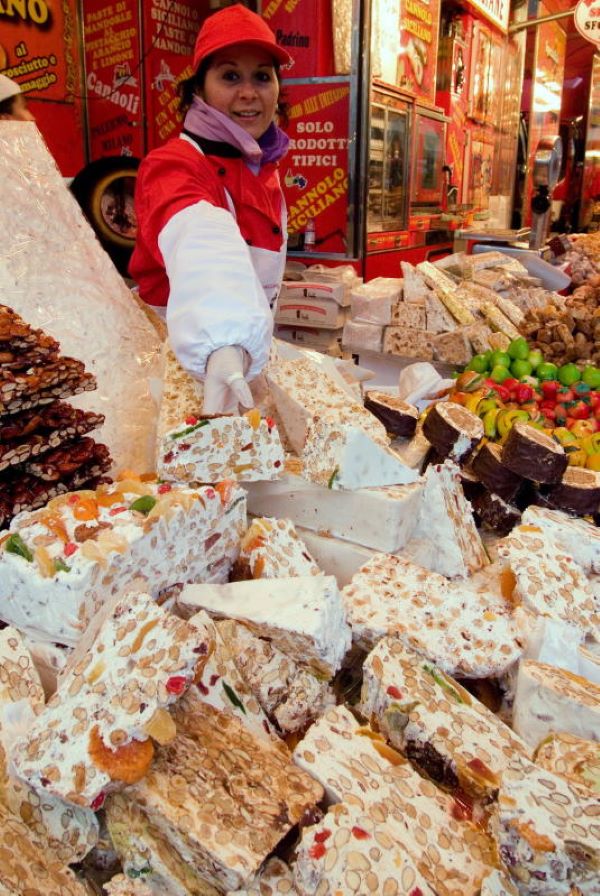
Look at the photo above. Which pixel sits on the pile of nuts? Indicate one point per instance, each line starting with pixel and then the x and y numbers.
pixel 570 334
pixel 584 257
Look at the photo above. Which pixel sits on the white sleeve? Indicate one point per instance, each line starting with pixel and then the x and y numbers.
pixel 215 296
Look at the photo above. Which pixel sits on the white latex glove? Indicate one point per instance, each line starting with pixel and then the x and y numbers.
pixel 224 386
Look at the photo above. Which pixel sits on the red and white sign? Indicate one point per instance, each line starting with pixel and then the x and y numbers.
pixel 496 11
pixel 587 20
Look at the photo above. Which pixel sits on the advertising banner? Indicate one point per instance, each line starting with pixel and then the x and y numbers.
pixel 170 29
pixel 496 11
pixel 39 50
pixel 315 171
pixel 112 65
pixel 417 59
pixel 303 28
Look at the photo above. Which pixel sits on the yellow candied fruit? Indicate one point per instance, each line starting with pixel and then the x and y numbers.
pixel 253 418
pixel 44 562
pixel 161 727
pixel 128 474
pixel 108 540
pixel 489 616
pixel 108 499
pixel 133 487
pixel 92 551
pixel 508 583
pixel 139 638
pixel 148 477
pixel 241 468
pixel 528 528
pixel 96 672
pixel 56 526
pixel 86 509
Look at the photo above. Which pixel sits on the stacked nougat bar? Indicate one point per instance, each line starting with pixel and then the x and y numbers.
pixel 42 449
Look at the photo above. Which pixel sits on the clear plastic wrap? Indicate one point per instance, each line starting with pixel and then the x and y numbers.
pixel 55 274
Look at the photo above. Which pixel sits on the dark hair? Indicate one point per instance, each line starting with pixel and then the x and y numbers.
pixel 6 106
pixel 191 86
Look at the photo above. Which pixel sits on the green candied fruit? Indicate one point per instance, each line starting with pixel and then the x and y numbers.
pixel 439 679
pixel 188 429
pixel 61 566
pixel 14 544
pixel 333 477
pixel 233 697
pixel 144 504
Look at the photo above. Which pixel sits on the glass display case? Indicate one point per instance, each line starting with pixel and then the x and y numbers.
pixel 388 164
pixel 428 160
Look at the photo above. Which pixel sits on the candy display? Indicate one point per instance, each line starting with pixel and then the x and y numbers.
pixel 357 689
pixel 40 435
pixel 66 560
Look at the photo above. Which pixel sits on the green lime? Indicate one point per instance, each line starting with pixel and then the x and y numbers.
pixel 535 358
pixel 519 349
pixel 546 371
pixel 591 377
pixel 499 373
pixel 498 358
pixel 520 368
pixel 568 374
pixel 478 363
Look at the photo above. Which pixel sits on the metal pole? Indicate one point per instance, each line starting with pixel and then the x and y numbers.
pixel 533 23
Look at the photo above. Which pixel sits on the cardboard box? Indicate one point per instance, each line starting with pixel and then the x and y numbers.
pixel 298 290
pixel 322 340
pixel 322 313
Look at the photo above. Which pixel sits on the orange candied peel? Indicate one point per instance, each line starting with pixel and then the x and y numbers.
pixel 108 499
pixel 537 841
pixel 128 763
pixel 508 583
pixel 86 509
pixel 224 489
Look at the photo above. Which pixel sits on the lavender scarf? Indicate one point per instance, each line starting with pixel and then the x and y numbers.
pixel 207 122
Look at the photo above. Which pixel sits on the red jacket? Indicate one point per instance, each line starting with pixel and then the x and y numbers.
pixel 211 243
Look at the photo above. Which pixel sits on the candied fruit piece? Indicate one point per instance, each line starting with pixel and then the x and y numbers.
pixel 128 763
pixel 161 727
pixel 253 418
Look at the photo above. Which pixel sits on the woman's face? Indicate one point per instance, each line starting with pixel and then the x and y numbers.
pixel 242 84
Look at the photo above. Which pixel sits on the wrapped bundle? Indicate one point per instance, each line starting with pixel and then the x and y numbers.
pixel 419 709
pixel 549 699
pixel 452 348
pixel 362 337
pixel 390 596
pixel 59 565
pixel 304 617
pixel 358 769
pixel 408 342
pixel 438 318
pixel 378 518
pixel 546 832
pixel 372 302
pixel 209 813
pixel 407 314
pixel 94 735
pixel 272 549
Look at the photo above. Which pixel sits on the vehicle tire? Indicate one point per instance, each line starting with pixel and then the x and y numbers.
pixel 105 190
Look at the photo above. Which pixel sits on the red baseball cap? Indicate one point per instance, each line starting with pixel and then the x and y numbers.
pixel 236 25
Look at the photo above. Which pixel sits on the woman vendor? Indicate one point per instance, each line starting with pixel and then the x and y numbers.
pixel 211 216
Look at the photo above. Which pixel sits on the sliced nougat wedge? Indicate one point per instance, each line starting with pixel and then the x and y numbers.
pixel 548 581
pixel 62 830
pixel 26 869
pixel 94 734
pixel 420 710
pixel 353 851
pixel 550 699
pixel 303 616
pixel 275 877
pixel 547 831
pixel 445 539
pixel 222 685
pixel 358 768
pixel 272 549
pixel 220 800
pixel 291 695
pixel 571 757
pixel 468 631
